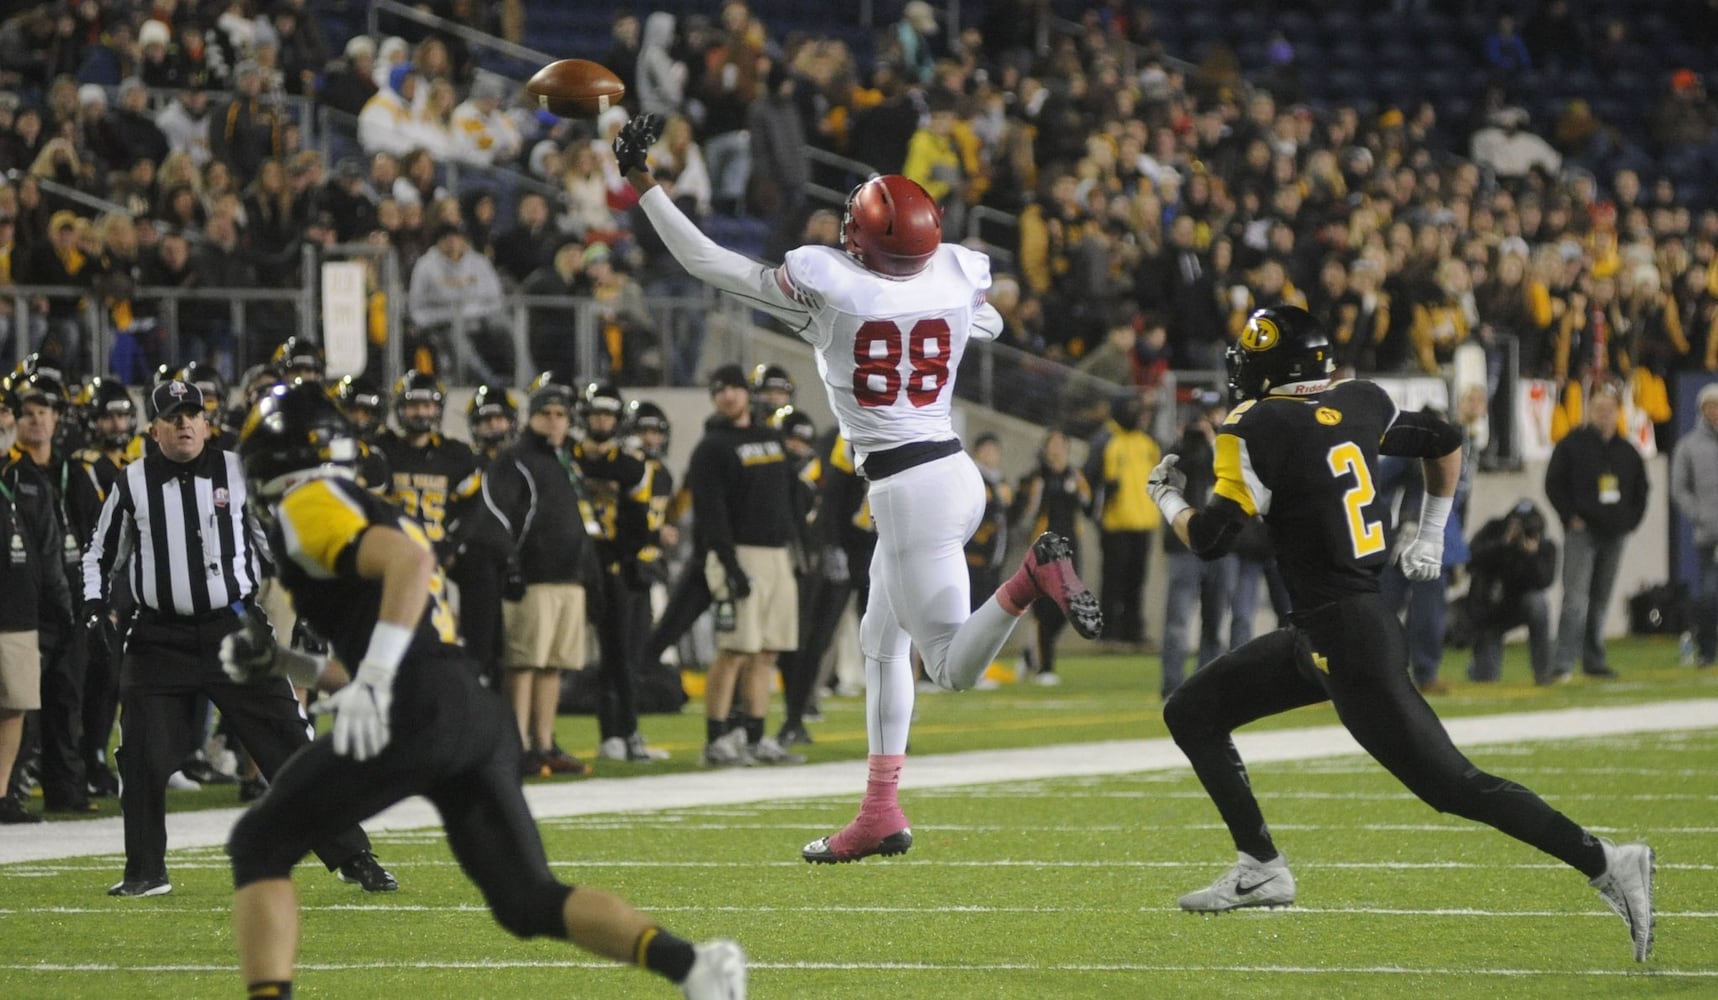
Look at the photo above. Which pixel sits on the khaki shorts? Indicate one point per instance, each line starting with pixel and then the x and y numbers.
pixel 768 619
pixel 547 628
pixel 20 671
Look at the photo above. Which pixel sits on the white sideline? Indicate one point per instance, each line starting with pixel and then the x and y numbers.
pixel 208 828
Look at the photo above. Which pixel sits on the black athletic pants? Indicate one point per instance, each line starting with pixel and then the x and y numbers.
pixel 478 577
pixel 1354 654
pixel 451 742
pixel 1122 591
pixel 611 615
pixel 62 722
pixel 688 598
pixel 168 664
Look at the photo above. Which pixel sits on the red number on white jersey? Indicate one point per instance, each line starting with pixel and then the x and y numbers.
pixel 877 352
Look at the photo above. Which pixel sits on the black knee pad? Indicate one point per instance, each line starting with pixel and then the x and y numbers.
pixel 257 855
pixel 532 910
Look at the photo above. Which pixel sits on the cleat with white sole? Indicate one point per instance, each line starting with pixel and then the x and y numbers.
pixel 1251 883
pixel 1626 887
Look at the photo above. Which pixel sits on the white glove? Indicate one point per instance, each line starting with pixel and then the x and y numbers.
pixel 361 726
pixel 251 655
pixel 1423 558
pixel 1165 485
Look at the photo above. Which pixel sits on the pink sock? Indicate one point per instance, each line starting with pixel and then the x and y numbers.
pixel 879 812
pixel 1017 594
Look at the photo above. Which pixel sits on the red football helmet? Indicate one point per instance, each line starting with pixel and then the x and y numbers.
pixel 891 226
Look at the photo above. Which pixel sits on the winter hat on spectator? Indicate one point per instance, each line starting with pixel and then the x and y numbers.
pixel 397 76
pixel 246 67
pixel 63 219
pixel 91 93
pixel 130 84
pixel 597 253
pixel 729 376
pixel 360 45
pixel 152 33
pixel 1708 394
pixel 488 87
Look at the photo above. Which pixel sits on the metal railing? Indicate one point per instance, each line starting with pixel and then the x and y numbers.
pixel 522 60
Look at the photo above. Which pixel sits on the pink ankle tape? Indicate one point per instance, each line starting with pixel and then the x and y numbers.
pixel 1017 594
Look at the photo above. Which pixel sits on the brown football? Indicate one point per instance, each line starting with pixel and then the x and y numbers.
pixel 576 88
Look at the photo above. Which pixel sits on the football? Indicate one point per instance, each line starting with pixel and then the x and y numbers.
pixel 576 88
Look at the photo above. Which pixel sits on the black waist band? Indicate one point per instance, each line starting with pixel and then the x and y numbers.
pixel 883 464
pixel 153 617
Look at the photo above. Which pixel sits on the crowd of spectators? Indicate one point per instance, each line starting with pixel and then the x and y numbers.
pixel 1147 190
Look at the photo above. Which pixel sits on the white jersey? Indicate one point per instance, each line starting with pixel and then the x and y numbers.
pixel 887 349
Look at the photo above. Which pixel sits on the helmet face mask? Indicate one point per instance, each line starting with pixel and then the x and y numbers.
pixel 491 405
pixel 415 388
pixel 602 407
pixel 891 226
pixel 1280 347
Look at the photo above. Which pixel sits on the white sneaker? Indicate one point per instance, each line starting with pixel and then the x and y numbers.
pixel 770 751
pixel 179 782
pixel 1249 883
pixel 1050 679
pixel 1626 887
pixel 613 748
pixel 728 750
pixel 718 972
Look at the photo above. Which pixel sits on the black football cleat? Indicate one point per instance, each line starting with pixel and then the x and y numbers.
pixel 1051 566
pixel 820 852
pixel 367 872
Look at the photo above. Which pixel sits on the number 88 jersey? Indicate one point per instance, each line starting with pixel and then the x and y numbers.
pixel 1308 465
pixel 888 348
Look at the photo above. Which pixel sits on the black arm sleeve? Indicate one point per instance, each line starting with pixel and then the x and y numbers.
pixel 1419 435
pixel 1212 531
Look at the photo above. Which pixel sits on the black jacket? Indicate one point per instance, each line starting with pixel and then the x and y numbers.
pixel 537 494
pixel 1601 482
pixel 742 489
pixel 33 589
pixel 1504 572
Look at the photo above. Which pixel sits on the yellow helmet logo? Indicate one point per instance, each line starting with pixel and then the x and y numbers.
pixel 1328 417
pixel 1260 334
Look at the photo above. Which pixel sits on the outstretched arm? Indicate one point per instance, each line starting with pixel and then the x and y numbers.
pixel 734 273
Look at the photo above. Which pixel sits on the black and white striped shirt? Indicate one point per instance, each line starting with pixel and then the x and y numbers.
pixel 183 529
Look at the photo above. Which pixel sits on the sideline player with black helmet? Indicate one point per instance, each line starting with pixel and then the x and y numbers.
pixel 1302 452
pixel 434 478
pixel 492 417
pixel 111 431
pixel 359 399
pixel 409 719
pixel 772 389
pixel 615 484
pixel 300 358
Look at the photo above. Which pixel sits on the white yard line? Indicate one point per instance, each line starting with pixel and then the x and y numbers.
pixel 208 828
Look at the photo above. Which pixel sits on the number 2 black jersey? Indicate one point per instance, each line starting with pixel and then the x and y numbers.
pixel 1307 465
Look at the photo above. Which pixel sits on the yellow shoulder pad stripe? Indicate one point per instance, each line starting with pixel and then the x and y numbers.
pixel 1231 482
pixel 319 522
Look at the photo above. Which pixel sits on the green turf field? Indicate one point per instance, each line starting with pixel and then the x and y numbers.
pixel 1046 888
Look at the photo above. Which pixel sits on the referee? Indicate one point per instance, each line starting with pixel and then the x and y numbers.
pixel 194 554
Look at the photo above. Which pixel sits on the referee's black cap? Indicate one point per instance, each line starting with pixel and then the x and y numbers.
pixel 171 396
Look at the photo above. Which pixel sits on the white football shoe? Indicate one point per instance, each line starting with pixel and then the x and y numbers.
pixel 718 972
pixel 1250 883
pixel 1626 887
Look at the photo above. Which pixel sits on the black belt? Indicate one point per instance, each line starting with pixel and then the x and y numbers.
pixel 151 616
pixel 883 464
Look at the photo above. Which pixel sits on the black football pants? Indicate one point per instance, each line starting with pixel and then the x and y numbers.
pixel 1353 653
pixel 167 666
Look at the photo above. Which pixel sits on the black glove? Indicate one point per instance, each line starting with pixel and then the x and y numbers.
pixel 632 143
pixel 739 585
pixel 99 629
pixel 512 582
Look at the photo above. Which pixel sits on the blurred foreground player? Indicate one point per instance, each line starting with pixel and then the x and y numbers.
pixel 1302 453
pixel 411 720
